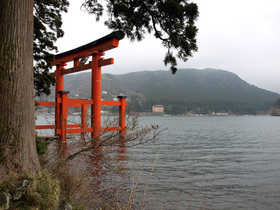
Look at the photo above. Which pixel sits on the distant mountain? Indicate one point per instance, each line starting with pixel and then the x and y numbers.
pixel 189 90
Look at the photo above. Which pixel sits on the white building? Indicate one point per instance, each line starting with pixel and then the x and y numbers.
pixel 158 109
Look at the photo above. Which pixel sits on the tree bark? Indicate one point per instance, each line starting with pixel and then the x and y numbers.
pixel 17 118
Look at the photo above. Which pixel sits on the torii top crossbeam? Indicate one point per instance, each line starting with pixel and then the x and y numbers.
pixel 100 45
pixel 96 50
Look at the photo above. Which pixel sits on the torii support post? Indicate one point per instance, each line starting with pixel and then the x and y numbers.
pixel 122 116
pixel 63 115
pixel 59 87
pixel 84 116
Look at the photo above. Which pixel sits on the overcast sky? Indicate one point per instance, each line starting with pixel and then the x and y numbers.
pixel 240 36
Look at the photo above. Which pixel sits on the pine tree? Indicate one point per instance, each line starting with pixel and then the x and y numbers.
pixel 172 21
pixel 17 120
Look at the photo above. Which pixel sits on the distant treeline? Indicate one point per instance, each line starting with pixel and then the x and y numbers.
pixel 202 107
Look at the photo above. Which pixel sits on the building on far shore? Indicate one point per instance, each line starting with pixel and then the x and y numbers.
pixel 159 109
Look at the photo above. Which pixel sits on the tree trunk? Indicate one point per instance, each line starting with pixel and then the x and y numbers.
pixel 17 119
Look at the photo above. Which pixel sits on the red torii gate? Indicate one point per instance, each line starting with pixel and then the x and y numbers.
pixel 95 49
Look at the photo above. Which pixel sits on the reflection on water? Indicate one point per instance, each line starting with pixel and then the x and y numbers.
pixel 105 167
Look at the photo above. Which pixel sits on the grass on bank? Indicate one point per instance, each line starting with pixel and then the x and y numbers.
pixel 40 191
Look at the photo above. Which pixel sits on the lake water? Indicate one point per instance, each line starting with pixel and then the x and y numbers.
pixel 231 161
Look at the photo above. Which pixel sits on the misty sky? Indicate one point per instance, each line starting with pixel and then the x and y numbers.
pixel 240 36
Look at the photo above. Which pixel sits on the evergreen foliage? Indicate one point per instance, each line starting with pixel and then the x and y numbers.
pixel 41 145
pixel 47 29
pixel 173 22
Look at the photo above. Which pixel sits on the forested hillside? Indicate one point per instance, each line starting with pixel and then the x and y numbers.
pixel 189 90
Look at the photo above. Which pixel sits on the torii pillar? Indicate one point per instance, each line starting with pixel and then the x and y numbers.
pixel 97 63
